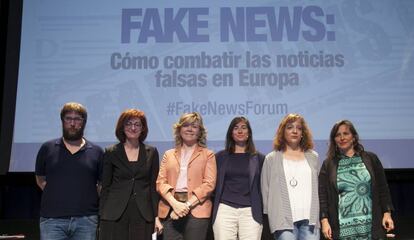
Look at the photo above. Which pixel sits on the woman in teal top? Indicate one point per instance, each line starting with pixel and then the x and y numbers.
pixel 355 202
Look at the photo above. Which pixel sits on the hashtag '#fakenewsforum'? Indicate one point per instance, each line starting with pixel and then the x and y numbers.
pixel 170 108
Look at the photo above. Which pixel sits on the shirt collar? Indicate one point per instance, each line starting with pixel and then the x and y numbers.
pixel 59 142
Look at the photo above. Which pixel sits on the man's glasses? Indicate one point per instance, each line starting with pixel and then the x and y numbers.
pixel 75 119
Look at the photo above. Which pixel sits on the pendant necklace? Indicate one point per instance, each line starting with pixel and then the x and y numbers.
pixel 292 182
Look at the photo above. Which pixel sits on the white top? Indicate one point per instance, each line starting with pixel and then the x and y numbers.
pixel 182 176
pixel 299 183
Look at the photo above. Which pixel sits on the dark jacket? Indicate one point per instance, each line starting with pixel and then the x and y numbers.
pixel 119 183
pixel 328 194
pixel 255 169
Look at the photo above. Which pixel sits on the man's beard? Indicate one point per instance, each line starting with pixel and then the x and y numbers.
pixel 73 135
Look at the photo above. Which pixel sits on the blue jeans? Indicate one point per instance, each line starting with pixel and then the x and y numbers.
pixel 73 228
pixel 301 231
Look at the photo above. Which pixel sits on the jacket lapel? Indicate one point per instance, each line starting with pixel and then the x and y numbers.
pixel 253 163
pixel 334 176
pixel 122 157
pixel 222 170
pixel 143 153
pixel 196 153
pixel 177 156
pixel 368 165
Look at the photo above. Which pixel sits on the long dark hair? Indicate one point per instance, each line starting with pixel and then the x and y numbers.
pixel 333 150
pixel 230 143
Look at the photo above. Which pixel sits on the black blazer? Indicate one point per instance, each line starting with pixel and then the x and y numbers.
pixel 255 169
pixel 119 182
pixel 328 194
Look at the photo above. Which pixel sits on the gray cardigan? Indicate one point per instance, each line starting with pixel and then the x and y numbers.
pixel 275 194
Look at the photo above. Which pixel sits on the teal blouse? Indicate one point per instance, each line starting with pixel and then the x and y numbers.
pixel 355 200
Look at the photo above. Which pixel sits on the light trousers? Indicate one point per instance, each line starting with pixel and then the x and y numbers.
pixel 236 223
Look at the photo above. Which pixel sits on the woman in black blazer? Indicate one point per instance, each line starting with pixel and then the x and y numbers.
pixel 129 201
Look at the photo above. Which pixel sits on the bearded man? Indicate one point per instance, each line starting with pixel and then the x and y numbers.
pixel 69 171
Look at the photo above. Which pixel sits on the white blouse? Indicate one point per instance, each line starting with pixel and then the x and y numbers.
pixel 299 184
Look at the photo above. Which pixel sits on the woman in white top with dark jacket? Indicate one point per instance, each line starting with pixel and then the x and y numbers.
pixel 289 182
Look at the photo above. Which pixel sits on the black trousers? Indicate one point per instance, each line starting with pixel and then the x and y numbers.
pixel 187 228
pixel 131 226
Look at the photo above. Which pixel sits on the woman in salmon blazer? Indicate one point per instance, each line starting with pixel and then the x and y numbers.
pixel 186 179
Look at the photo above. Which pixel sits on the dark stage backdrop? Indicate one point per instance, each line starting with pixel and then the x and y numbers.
pixel 20 201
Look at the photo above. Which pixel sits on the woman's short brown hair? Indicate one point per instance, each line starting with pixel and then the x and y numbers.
pixel 306 142
pixel 124 118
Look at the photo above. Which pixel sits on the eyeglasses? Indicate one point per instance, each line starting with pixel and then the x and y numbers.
pixel 135 124
pixel 193 125
pixel 75 119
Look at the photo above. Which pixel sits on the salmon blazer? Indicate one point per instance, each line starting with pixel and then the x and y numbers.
pixel 201 179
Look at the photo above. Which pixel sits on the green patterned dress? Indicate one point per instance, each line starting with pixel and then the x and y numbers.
pixel 355 201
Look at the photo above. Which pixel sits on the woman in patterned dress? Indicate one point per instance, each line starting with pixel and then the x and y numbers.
pixel 355 201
